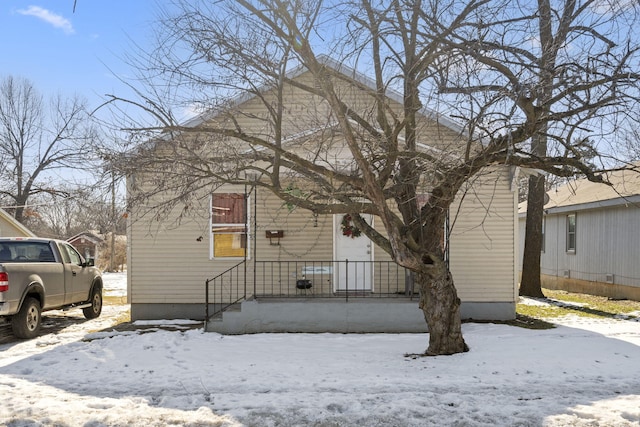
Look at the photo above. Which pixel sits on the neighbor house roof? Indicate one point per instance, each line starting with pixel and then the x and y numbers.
pixel 87 235
pixel 584 194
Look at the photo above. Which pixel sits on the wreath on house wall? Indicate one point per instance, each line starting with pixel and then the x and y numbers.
pixel 348 229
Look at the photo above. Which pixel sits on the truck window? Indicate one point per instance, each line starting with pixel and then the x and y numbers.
pixel 45 254
pixel 5 254
pixel 26 251
pixel 73 256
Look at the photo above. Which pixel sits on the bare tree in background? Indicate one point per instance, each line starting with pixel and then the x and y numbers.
pixel 566 67
pixel 36 138
pixel 476 60
pixel 114 214
pixel 558 63
pixel 80 209
pixel 632 143
pixel 56 216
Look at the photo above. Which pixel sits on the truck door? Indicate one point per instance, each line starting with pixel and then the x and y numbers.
pixel 50 272
pixel 34 258
pixel 76 277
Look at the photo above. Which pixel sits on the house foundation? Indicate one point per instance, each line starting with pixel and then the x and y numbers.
pixel 335 316
pixel 610 290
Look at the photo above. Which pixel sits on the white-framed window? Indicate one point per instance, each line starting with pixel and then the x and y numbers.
pixel 571 232
pixel 229 225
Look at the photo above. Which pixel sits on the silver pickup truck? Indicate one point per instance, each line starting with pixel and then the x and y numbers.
pixel 44 274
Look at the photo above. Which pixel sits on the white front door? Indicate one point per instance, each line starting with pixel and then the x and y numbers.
pixel 357 273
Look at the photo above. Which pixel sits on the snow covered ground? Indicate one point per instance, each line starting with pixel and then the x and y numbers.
pixel 583 373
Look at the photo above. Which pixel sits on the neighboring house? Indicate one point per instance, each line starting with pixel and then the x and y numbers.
pixel 87 244
pixel 591 237
pixel 9 227
pixel 298 271
pixel 92 244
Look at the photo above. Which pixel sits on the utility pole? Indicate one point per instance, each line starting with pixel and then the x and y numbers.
pixel 113 218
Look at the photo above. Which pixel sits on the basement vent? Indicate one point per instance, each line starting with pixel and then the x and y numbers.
pixel 609 278
pixel 566 273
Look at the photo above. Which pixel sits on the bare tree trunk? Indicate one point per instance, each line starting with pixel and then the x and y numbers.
pixel 21 202
pixel 530 284
pixel 441 307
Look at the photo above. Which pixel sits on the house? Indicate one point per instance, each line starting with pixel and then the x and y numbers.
pixel 9 227
pixel 591 237
pixel 97 246
pixel 297 271
pixel 88 244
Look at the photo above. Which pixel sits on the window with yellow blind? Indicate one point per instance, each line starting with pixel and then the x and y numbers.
pixel 229 225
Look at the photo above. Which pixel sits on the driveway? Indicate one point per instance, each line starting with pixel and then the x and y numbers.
pixel 114 311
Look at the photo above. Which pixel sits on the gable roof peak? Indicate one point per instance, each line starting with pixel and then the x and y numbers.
pixel 348 72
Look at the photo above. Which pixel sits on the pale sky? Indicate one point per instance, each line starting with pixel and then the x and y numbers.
pixel 60 50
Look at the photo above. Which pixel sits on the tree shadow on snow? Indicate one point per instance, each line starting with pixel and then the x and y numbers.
pixel 133 364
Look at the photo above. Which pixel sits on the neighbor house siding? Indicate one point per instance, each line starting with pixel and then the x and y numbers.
pixel 605 260
pixel 483 239
pixel 607 242
pixel 9 227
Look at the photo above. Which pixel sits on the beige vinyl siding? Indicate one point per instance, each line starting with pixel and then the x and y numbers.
pixel 306 238
pixel 7 229
pixel 483 240
pixel 167 264
pixel 304 114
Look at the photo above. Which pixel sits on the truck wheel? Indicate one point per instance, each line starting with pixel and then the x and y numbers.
pixel 96 304
pixel 26 324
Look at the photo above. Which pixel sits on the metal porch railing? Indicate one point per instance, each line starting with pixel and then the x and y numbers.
pixel 225 290
pixel 307 279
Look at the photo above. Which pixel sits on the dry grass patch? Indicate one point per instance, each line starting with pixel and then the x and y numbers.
pixel 123 317
pixel 613 307
pixel 113 300
pixel 562 303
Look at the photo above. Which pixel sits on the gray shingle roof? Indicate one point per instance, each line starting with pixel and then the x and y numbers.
pixel 584 194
